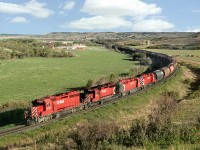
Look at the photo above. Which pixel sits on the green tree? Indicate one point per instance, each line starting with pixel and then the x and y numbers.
pixel 113 78
pixel 89 84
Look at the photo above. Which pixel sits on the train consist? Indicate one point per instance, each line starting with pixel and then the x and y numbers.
pixel 50 107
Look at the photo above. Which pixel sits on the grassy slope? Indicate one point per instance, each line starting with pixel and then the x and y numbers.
pixel 189 108
pixel 122 112
pixel 31 78
pixel 182 53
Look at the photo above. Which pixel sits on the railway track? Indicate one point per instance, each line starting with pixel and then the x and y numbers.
pixel 22 128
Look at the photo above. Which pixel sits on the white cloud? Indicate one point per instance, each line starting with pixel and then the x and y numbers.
pixel 195 29
pixel 109 23
pixel 32 7
pixel 69 5
pixel 152 25
pixel 98 22
pixel 126 15
pixel 19 20
pixel 135 8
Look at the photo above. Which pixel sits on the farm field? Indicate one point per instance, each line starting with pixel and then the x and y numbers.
pixel 181 54
pixel 31 78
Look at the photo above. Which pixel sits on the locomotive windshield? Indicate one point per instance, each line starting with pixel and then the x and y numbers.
pixel 38 102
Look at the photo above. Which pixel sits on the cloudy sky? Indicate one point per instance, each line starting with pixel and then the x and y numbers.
pixel 44 16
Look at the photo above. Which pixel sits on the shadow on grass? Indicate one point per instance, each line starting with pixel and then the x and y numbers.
pixel 128 59
pixel 195 85
pixel 73 89
pixel 15 116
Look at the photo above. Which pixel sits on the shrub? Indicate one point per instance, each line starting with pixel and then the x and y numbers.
pixel 89 84
pixel 95 135
pixel 172 94
pixel 138 56
pixel 138 133
pixel 187 81
pixel 189 134
pixel 113 78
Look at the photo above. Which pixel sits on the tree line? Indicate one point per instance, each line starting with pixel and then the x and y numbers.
pixel 23 48
pixel 191 46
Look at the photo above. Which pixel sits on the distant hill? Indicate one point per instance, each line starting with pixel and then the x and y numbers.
pixel 171 40
pixel 118 35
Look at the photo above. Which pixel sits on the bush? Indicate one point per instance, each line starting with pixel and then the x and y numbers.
pixel 138 133
pixel 132 72
pixel 189 134
pixel 4 54
pixel 89 84
pixel 113 78
pixel 192 46
pixel 101 80
pixel 138 56
pixel 158 128
pixel 187 81
pixel 165 46
pixel 97 135
pixel 198 122
pixel 172 94
pixel 146 61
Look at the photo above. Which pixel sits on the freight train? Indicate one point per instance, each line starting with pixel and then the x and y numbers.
pixel 50 107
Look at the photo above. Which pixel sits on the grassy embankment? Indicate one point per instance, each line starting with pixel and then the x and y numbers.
pixel 123 112
pixel 181 54
pixel 189 108
pixel 23 80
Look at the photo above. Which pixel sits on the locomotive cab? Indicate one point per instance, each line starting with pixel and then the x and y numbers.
pixel 47 107
pixel 39 108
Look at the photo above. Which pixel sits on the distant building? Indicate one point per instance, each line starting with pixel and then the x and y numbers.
pixel 79 47
pixel 73 47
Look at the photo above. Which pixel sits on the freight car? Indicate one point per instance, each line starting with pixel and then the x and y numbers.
pixel 53 106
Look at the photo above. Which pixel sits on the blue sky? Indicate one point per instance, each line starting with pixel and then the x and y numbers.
pixel 45 16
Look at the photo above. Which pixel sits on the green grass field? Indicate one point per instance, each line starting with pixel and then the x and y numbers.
pixel 182 54
pixel 31 78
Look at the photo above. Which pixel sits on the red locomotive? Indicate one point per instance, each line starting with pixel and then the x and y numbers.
pixel 52 106
pixel 49 107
